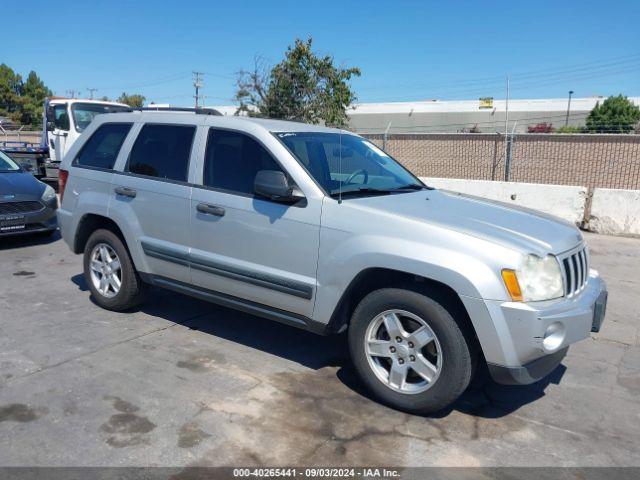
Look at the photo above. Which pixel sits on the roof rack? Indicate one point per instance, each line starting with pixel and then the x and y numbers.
pixel 202 111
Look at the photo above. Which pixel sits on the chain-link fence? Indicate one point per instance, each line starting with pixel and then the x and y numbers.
pixel 590 160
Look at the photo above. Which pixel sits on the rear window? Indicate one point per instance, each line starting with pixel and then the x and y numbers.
pixel 162 151
pixel 101 150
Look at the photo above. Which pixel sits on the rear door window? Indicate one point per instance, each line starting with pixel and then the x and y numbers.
pixel 101 150
pixel 162 151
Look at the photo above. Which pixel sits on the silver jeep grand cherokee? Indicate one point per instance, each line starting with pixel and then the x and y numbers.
pixel 320 229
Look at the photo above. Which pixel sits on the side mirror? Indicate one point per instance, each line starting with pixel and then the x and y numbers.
pixel 50 126
pixel 274 185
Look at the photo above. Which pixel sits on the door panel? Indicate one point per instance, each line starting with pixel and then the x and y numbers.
pixel 158 215
pixel 60 135
pixel 258 250
pixel 152 197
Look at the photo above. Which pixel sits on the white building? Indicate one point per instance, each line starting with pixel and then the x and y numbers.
pixel 464 115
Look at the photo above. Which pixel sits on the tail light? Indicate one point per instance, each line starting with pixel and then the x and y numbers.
pixel 62 182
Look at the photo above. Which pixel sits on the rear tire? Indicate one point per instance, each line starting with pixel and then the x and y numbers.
pixel 421 368
pixel 110 274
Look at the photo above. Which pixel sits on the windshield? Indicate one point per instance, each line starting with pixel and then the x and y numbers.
pixel 83 113
pixel 6 164
pixel 348 163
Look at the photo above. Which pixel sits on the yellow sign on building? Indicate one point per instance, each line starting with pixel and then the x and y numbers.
pixel 486 102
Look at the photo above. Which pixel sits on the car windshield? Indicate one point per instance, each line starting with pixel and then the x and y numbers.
pixel 345 164
pixel 6 164
pixel 83 113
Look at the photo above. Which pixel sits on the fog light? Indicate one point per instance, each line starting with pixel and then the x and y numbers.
pixel 553 336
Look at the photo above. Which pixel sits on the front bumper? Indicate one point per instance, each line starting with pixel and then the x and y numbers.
pixel 30 222
pixel 535 336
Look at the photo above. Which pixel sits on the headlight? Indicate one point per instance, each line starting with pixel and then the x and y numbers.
pixel 535 279
pixel 48 195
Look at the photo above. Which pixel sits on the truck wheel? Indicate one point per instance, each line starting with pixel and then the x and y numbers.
pixel 109 272
pixel 409 351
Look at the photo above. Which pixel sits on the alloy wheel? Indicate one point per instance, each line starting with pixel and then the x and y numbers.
pixel 106 270
pixel 403 351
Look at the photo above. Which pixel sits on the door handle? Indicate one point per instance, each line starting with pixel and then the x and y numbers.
pixel 125 191
pixel 210 209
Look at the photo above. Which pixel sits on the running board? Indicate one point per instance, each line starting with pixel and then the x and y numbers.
pixel 239 304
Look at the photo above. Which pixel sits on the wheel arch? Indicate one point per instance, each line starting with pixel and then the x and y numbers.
pixel 89 223
pixel 372 279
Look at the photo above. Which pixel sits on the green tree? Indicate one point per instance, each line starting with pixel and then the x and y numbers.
pixel 135 100
pixel 615 115
pixel 10 85
pixel 22 101
pixel 33 91
pixel 303 86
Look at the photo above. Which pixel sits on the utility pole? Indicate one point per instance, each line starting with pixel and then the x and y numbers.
pixel 507 149
pixel 197 83
pixel 566 122
pixel 91 90
pixel 384 138
pixel 506 109
pixel 72 93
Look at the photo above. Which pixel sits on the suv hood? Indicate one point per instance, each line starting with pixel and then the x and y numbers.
pixel 526 230
pixel 19 183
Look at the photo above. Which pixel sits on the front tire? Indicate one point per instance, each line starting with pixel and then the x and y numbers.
pixel 409 351
pixel 109 272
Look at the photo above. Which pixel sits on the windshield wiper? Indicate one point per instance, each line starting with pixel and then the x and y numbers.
pixel 411 186
pixel 382 191
pixel 360 191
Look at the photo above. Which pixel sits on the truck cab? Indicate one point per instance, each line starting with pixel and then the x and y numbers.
pixel 66 118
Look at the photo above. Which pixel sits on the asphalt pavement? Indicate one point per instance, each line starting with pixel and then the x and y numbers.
pixel 180 382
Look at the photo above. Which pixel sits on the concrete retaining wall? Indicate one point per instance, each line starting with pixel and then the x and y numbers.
pixel 612 212
pixel 567 202
pixel 615 212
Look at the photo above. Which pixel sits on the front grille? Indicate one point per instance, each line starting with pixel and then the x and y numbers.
pixel 575 271
pixel 11 208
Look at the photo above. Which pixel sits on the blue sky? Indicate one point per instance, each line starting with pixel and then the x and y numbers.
pixel 411 50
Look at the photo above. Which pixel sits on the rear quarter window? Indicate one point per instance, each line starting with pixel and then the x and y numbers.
pixel 102 148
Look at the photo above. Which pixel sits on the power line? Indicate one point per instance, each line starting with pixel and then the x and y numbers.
pixel 498 80
pixel 219 75
pixel 483 90
pixel 149 83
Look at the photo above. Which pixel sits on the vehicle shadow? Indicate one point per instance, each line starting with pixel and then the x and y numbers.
pixel 484 398
pixel 28 240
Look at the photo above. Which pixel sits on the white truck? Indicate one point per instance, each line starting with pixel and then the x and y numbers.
pixel 64 119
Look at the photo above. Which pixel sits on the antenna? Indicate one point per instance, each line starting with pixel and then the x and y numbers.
pixel 91 90
pixel 198 84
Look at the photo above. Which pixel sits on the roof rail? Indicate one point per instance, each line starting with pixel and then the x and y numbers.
pixel 202 111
